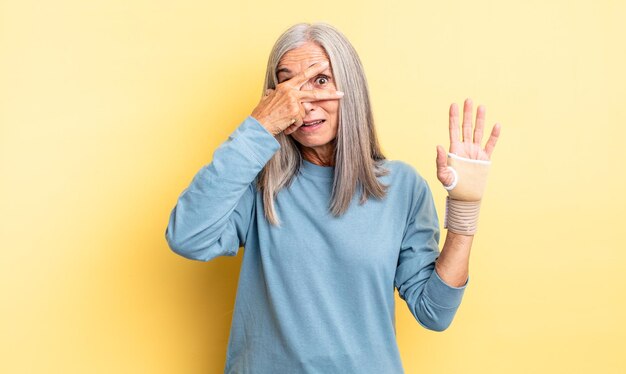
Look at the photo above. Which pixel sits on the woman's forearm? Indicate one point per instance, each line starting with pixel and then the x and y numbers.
pixel 453 262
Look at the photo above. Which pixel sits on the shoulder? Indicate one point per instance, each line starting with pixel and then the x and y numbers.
pixel 403 172
pixel 406 182
pixel 409 190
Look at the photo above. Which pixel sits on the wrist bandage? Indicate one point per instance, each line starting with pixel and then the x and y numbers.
pixel 465 193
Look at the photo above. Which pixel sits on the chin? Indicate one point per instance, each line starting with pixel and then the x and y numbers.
pixel 310 143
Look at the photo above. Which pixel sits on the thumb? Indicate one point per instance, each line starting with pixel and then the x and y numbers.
pixel 442 158
pixel 444 174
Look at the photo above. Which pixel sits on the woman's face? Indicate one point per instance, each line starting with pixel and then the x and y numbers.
pixel 317 136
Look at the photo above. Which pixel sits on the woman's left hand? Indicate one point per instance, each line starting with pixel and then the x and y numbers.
pixel 468 147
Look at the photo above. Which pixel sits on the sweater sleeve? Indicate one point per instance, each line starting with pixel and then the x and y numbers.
pixel 432 302
pixel 212 215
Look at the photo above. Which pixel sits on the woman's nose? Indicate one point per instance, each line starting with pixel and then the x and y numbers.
pixel 308 106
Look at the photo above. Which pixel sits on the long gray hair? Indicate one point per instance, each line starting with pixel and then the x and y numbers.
pixel 358 158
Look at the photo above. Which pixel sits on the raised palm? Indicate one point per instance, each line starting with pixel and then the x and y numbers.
pixel 470 145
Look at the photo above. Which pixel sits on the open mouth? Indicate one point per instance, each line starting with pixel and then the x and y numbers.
pixel 313 123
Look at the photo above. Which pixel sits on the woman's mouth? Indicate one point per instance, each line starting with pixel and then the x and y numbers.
pixel 312 125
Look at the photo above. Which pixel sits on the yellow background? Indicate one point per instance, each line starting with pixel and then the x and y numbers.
pixel 109 108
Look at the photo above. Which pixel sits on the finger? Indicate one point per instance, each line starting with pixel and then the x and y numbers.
pixel 442 158
pixel 318 95
pixel 302 112
pixel 454 124
pixel 493 138
pixel 299 80
pixel 467 120
pixel 480 125
pixel 299 118
pixel 443 173
pixel 290 129
pixel 293 126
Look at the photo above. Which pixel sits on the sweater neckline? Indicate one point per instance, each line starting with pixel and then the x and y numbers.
pixel 312 169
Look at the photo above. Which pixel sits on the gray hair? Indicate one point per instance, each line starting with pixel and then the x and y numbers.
pixel 358 158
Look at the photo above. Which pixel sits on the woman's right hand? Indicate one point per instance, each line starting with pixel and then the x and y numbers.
pixel 281 109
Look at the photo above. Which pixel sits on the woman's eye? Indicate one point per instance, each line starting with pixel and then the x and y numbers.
pixel 321 80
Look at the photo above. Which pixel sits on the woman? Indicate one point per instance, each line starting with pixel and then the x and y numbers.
pixel 330 227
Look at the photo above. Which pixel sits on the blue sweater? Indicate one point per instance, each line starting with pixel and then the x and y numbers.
pixel 315 295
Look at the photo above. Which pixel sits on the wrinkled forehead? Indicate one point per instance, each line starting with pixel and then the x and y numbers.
pixel 300 58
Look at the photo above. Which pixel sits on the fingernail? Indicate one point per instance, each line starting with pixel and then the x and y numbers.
pixel 340 93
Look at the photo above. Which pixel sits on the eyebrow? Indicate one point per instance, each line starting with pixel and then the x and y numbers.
pixel 283 70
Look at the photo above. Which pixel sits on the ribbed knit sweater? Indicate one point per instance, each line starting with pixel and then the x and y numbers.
pixel 315 295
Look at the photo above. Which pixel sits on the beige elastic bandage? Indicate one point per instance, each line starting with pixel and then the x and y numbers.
pixel 465 193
